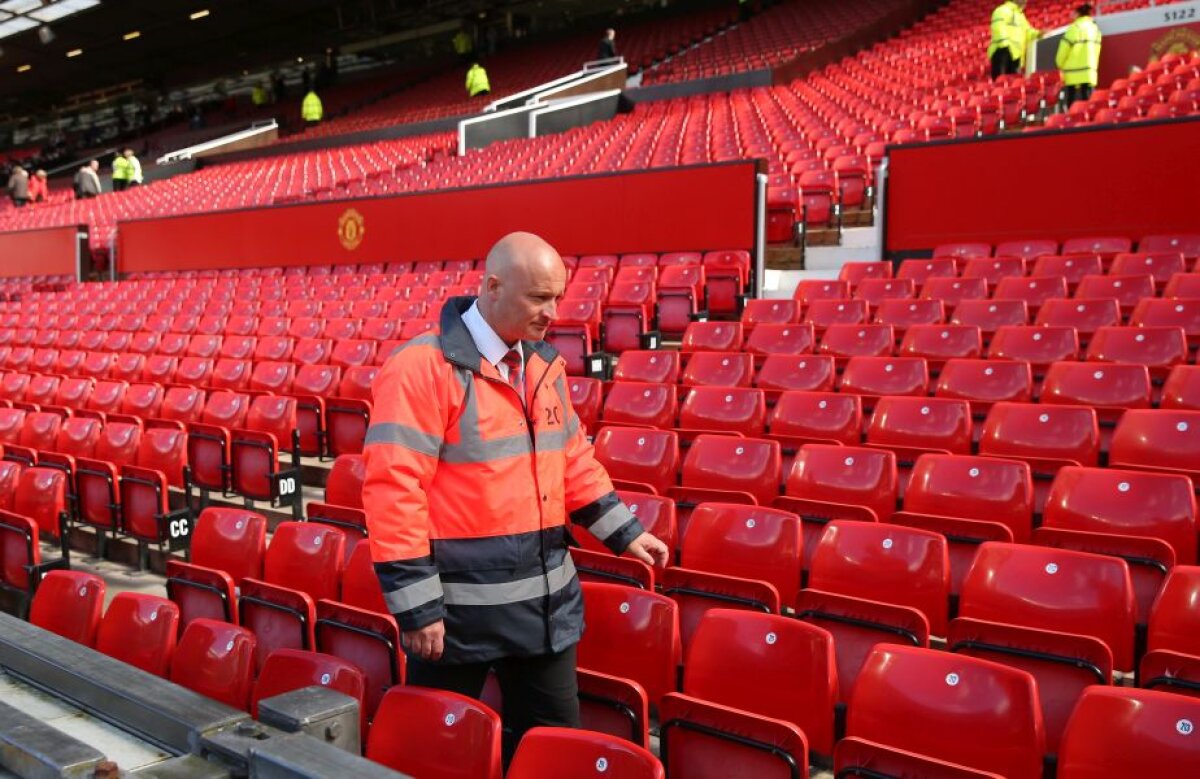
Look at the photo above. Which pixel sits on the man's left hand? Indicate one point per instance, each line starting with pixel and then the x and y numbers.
pixel 650 550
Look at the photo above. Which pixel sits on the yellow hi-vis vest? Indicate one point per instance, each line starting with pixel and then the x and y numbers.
pixel 311 109
pixel 477 80
pixel 1078 55
pixel 1010 30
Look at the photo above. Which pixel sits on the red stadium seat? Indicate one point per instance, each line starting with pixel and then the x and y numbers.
pixel 724 409
pixel 1158 440
pixel 141 630
pixel 823 313
pixel 1072 267
pixel 1158 348
pixel 770 339
pixel 1038 346
pixel 564 752
pixel 749 542
pixel 635 635
pixel 1182 388
pixel 845 341
pixel 872 377
pixel 1110 389
pixel 719 369
pixel 1118 732
pixel 290 669
pixel 436 734
pixel 781 372
pixel 69 603
pixel 721 463
pixel 655 366
pixel 1155 312
pixel 887 563
pixel 641 403
pixel 343 487
pixel 845 475
pixel 992 269
pixel 369 640
pixel 1055 590
pixel 766 666
pixel 819 417
pixel 307 557
pixel 1034 290
pixel 216 659
pixel 949 707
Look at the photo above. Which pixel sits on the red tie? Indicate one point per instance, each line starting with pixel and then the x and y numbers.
pixel 513 361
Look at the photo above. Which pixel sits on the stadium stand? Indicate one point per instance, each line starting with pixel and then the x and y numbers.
pixel 933 517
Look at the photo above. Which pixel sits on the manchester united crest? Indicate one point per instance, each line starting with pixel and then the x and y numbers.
pixel 351 229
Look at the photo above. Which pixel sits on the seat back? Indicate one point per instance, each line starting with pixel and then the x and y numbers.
pixel 1123 502
pixel 888 563
pixel 905 423
pixel 750 465
pixel 846 475
pixel 1054 589
pixel 230 540
pixel 1158 440
pixel 343 487
pixel 308 557
pixel 141 630
pixel 979 488
pixel 640 455
pixel 719 369
pixel 640 403
pixel 818 416
pixel 950 707
pixel 293 669
pixel 1034 431
pixel 369 640
pixel 767 664
pixel 216 659
pixel 435 733
pixel 69 603
pixel 1124 732
pixel 656 366
pixel 635 634
pixel 566 752
pixel 724 409
pixel 1174 623
pixel 751 542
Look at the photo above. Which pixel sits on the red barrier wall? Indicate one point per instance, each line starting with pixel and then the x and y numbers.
pixel 1133 179
pixel 710 206
pixel 49 252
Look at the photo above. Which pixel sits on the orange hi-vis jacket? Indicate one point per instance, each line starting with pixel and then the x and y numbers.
pixel 468 491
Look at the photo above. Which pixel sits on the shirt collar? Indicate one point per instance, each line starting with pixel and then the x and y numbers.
pixel 491 346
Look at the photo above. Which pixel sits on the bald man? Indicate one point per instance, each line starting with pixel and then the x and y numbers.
pixel 475 464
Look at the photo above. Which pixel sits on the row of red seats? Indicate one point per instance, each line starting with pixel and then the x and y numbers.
pixel 724 540
pixel 332 407
pixel 216 659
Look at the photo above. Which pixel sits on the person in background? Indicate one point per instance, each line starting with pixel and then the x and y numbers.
pixel 1078 57
pixel 18 186
pixel 477 81
pixel 1011 34
pixel 475 464
pixel 608 45
pixel 462 44
pixel 39 188
pixel 87 181
pixel 258 95
pixel 122 171
pixel 311 110
pixel 135 167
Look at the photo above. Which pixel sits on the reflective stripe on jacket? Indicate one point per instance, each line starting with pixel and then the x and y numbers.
pixel 1010 30
pixel 1078 56
pixel 468 491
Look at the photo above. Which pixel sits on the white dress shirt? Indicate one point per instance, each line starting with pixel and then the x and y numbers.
pixel 490 345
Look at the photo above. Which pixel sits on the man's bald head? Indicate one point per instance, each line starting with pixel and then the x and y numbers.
pixel 524 279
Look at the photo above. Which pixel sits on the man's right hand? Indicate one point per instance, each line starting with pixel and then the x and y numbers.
pixel 425 643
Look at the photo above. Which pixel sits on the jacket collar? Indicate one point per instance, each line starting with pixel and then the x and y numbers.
pixel 458 347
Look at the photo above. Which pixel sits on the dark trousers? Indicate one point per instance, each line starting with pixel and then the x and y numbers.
pixel 120 184
pixel 537 690
pixel 1076 92
pixel 1004 64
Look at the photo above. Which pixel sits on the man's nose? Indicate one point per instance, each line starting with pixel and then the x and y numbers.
pixel 550 310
